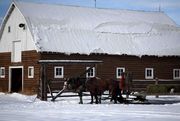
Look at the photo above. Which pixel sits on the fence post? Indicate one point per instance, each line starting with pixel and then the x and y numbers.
pixel 156 83
pixel 43 83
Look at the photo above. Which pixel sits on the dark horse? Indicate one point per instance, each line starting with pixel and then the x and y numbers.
pixel 115 91
pixel 77 85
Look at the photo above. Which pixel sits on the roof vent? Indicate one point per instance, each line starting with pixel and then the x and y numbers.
pixel 21 25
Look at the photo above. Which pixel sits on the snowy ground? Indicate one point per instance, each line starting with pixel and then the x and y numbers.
pixel 16 107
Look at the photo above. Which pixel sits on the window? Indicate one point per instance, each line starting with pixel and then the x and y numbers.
pixel 30 72
pixel 58 72
pixel 149 73
pixel 176 73
pixel 2 72
pixel 119 71
pixel 9 29
pixel 90 73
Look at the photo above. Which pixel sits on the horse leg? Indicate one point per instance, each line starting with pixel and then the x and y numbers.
pixel 96 97
pixel 91 98
pixel 80 93
pixel 115 95
pixel 115 98
pixel 80 97
pixel 99 98
pixel 120 98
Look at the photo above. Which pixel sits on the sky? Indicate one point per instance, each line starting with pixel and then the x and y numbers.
pixel 169 7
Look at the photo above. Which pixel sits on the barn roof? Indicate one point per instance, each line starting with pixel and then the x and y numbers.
pixel 70 29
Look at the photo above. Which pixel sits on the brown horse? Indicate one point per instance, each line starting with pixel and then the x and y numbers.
pixel 96 86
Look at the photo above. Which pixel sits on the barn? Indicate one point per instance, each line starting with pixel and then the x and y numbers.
pixel 64 41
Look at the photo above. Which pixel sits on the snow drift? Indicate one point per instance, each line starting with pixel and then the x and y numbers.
pixel 15 107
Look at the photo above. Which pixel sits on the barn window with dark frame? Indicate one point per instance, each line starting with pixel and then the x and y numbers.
pixel 119 71
pixel 149 73
pixel 176 73
pixel 2 72
pixel 58 72
pixel 30 72
pixel 90 73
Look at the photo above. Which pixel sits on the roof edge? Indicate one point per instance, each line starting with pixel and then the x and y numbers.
pixel 5 18
pixel 90 7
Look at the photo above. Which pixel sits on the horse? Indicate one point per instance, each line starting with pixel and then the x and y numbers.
pixel 77 85
pixel 96 86
pixel 93 85
pixel 115 91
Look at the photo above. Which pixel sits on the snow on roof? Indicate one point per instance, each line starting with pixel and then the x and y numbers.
pixel 68 29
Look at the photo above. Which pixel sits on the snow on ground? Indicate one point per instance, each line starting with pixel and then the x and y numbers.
pixel 16 107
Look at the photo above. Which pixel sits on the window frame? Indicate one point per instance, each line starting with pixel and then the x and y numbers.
pixel 174 72
pixel 93 73
pixel 117 72
pixel 2 75
pixel 62 72
pixel 152 73
pixel 31 76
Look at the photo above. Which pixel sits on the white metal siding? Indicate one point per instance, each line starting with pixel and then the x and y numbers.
pixel 16 33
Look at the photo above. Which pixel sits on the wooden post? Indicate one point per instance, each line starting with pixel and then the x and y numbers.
pixel 156 83
pixel 126 81
pixel 43 83
pixel 96 70
pixel 40 83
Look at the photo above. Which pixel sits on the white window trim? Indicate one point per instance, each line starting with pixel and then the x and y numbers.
pixel 2 68
pixel 32 76
pixel 149 77
pixel 59 76
pixel 174 73
pixel 118 68
pixel 93 72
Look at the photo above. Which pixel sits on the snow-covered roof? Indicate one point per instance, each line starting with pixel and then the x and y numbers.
pixel 69 29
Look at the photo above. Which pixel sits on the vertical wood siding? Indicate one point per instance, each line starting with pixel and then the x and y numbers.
pixel 163 67
pixel 29 58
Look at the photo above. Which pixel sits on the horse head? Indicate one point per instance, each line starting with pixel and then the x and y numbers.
pixel 73 83
pixel 77 85
pixel 70 83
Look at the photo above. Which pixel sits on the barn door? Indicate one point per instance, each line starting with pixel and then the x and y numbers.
pixel 16 79
pixel 16 51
